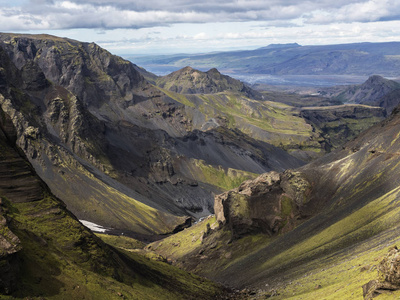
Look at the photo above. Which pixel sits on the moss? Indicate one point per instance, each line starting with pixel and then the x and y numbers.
pixel 286 206
pixel 61 259
pixel 224 178
pixel 363 223
pixel 122 242
pixel 184 242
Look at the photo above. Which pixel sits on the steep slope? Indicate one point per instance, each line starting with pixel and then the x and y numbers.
pixel 119 151
pixel 326 221
pixel 46 253
pixel 376 91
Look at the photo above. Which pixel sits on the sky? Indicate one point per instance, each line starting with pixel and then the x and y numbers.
pixel 192 26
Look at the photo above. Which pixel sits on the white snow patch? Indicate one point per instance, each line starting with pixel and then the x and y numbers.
pixel 93 226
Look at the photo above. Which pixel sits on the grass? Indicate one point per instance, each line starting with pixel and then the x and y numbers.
pixel 61 259
pixel 122 242
pixel 240 112
pixel 225 179
pixel 184 242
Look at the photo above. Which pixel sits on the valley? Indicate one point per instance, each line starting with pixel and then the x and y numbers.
pixel 288 192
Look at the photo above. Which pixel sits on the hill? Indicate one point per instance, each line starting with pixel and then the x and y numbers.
pixel 191 81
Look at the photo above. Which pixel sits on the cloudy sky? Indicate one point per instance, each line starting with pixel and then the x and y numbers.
pixel 187 26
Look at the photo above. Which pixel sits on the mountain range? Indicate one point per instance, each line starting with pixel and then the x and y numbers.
pixel 145 156
pixel 290 59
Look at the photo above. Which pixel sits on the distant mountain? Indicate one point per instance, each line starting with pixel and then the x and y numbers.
pixel 376 91
pixel 292 59
pixel 280 46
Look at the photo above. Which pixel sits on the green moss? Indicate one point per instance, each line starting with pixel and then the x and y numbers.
pixel 286 206
pixel 184 242
pixel 60 259
pixel 122 242
pixel 224 178
pixel 363 223
pixel 178 97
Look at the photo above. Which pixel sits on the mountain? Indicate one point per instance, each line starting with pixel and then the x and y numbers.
pixel 376 91
pixel 46 253
pixel 119 151
pixel 318 231
pixel 191 81
pixel 344 59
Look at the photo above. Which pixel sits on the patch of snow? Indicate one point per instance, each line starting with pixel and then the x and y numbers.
pixel 93 226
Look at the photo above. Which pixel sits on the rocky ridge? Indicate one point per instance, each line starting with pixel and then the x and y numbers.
pixel 375 91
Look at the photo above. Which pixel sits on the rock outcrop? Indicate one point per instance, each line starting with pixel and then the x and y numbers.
pixel 389 276
pixel 271 203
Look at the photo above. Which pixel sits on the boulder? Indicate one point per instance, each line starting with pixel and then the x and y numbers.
pixel 388 276
pixel 271 203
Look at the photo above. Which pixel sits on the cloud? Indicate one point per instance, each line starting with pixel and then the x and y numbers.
pixel 106 14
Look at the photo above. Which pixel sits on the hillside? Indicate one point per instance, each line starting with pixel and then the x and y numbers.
pixel 315 232
pixel 376 91
pixel 288 121
pixel 292 59
pixel 46 253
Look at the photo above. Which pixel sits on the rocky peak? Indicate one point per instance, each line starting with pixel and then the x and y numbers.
pixel 192 81
pixel 87 70
pixel 373 92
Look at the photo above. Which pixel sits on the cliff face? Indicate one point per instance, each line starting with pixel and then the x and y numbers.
pixel 342 123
